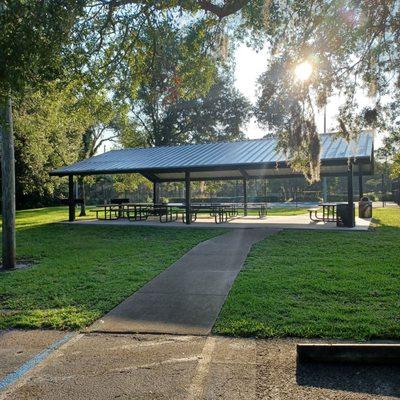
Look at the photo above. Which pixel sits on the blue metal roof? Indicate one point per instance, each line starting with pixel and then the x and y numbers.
pixel 247 153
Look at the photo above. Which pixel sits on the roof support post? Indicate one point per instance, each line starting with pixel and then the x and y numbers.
pixel 156 193
pixel 187 198
pixel 350 200
pixel 360 182
pixel 325 189
pixel 245 197
pixel 71 198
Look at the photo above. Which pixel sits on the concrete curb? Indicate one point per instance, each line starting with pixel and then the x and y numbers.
pixel 349 353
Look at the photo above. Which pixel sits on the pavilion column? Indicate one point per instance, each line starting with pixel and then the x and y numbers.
pixel 245 197
pixel 350 200
pixel 71 198
pixel 187 197
pixel 360 182
pixel 156 193
pixel 325 189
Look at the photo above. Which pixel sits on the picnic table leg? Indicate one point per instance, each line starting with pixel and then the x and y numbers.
pixel 315 218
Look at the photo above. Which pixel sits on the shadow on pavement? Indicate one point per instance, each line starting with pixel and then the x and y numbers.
pixel 370 379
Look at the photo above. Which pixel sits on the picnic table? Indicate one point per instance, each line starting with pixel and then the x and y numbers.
pixel 329 212
pixel 221 212
pixel 261 208
pixel 136 211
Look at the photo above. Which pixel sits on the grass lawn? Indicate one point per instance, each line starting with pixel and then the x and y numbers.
pixel 287 210
pixel 81 272
pixel 278 210
pixel 320 284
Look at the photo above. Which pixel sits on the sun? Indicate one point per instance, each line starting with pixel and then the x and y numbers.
pixel 303 71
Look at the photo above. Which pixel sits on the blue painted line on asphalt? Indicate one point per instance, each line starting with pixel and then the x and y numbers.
pixel 33 362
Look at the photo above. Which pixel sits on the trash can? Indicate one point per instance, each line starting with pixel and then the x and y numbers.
pixel 365 208
pixel 345 216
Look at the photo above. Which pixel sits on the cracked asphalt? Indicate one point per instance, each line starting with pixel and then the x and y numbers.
pixel 109 366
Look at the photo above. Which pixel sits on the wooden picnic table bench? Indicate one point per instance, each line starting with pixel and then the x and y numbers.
pixel 329 212
pixel 220 212
pixel 110 211
pixel 261 208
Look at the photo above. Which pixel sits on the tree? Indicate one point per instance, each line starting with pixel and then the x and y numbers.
pixel 217 115
pixel 48 130
pixel 353 48
pixel 58 125
pixel 31 37
pixel 187 94
pixel 286 108
pixel 105 121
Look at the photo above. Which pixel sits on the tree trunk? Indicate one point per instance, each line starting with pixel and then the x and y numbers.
pixel 8 186
pixel 82 195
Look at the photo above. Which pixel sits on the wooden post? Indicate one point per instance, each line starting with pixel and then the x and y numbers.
pixel 71 198
pixel 8 187
pixel 245 197
pixel 187 198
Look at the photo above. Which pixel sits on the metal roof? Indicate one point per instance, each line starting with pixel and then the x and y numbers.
pixel 221 159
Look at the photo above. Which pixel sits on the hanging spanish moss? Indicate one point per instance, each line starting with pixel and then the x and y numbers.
pixel 302 148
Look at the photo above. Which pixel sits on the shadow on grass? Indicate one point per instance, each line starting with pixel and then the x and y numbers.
pixel 370 379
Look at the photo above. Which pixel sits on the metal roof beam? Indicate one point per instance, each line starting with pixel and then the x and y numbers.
pixel 244 173
pixel 150 176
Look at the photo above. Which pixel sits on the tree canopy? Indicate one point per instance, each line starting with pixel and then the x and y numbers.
pixel 353 48
pixel 166 60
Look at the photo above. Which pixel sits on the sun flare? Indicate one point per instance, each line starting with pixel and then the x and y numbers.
pixel 303 71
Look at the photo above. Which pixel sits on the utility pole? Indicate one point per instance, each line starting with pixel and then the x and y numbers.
pixel 8 185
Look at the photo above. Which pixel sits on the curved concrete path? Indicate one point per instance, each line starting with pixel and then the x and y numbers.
pixel 187 297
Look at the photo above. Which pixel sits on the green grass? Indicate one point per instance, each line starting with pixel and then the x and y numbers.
pixel 320 284
pixel 278 210
pixel 273 211
pixel 287 210
pixel 81 272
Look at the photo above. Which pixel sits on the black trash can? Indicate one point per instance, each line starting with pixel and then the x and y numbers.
pixel 365 207
pixel 346 216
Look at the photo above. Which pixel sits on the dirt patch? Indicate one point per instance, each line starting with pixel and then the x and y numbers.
pixel 21 264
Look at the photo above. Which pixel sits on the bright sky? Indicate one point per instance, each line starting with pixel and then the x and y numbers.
pixel 249 65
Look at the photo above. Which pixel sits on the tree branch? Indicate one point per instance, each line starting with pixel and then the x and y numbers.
pixel 230 7
pixel 221 11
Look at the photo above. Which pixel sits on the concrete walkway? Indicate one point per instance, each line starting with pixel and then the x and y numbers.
pixel 187 297
pixel 251 222
pixel 164 367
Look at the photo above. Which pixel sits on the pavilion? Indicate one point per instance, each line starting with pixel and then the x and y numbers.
pixel 244 160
